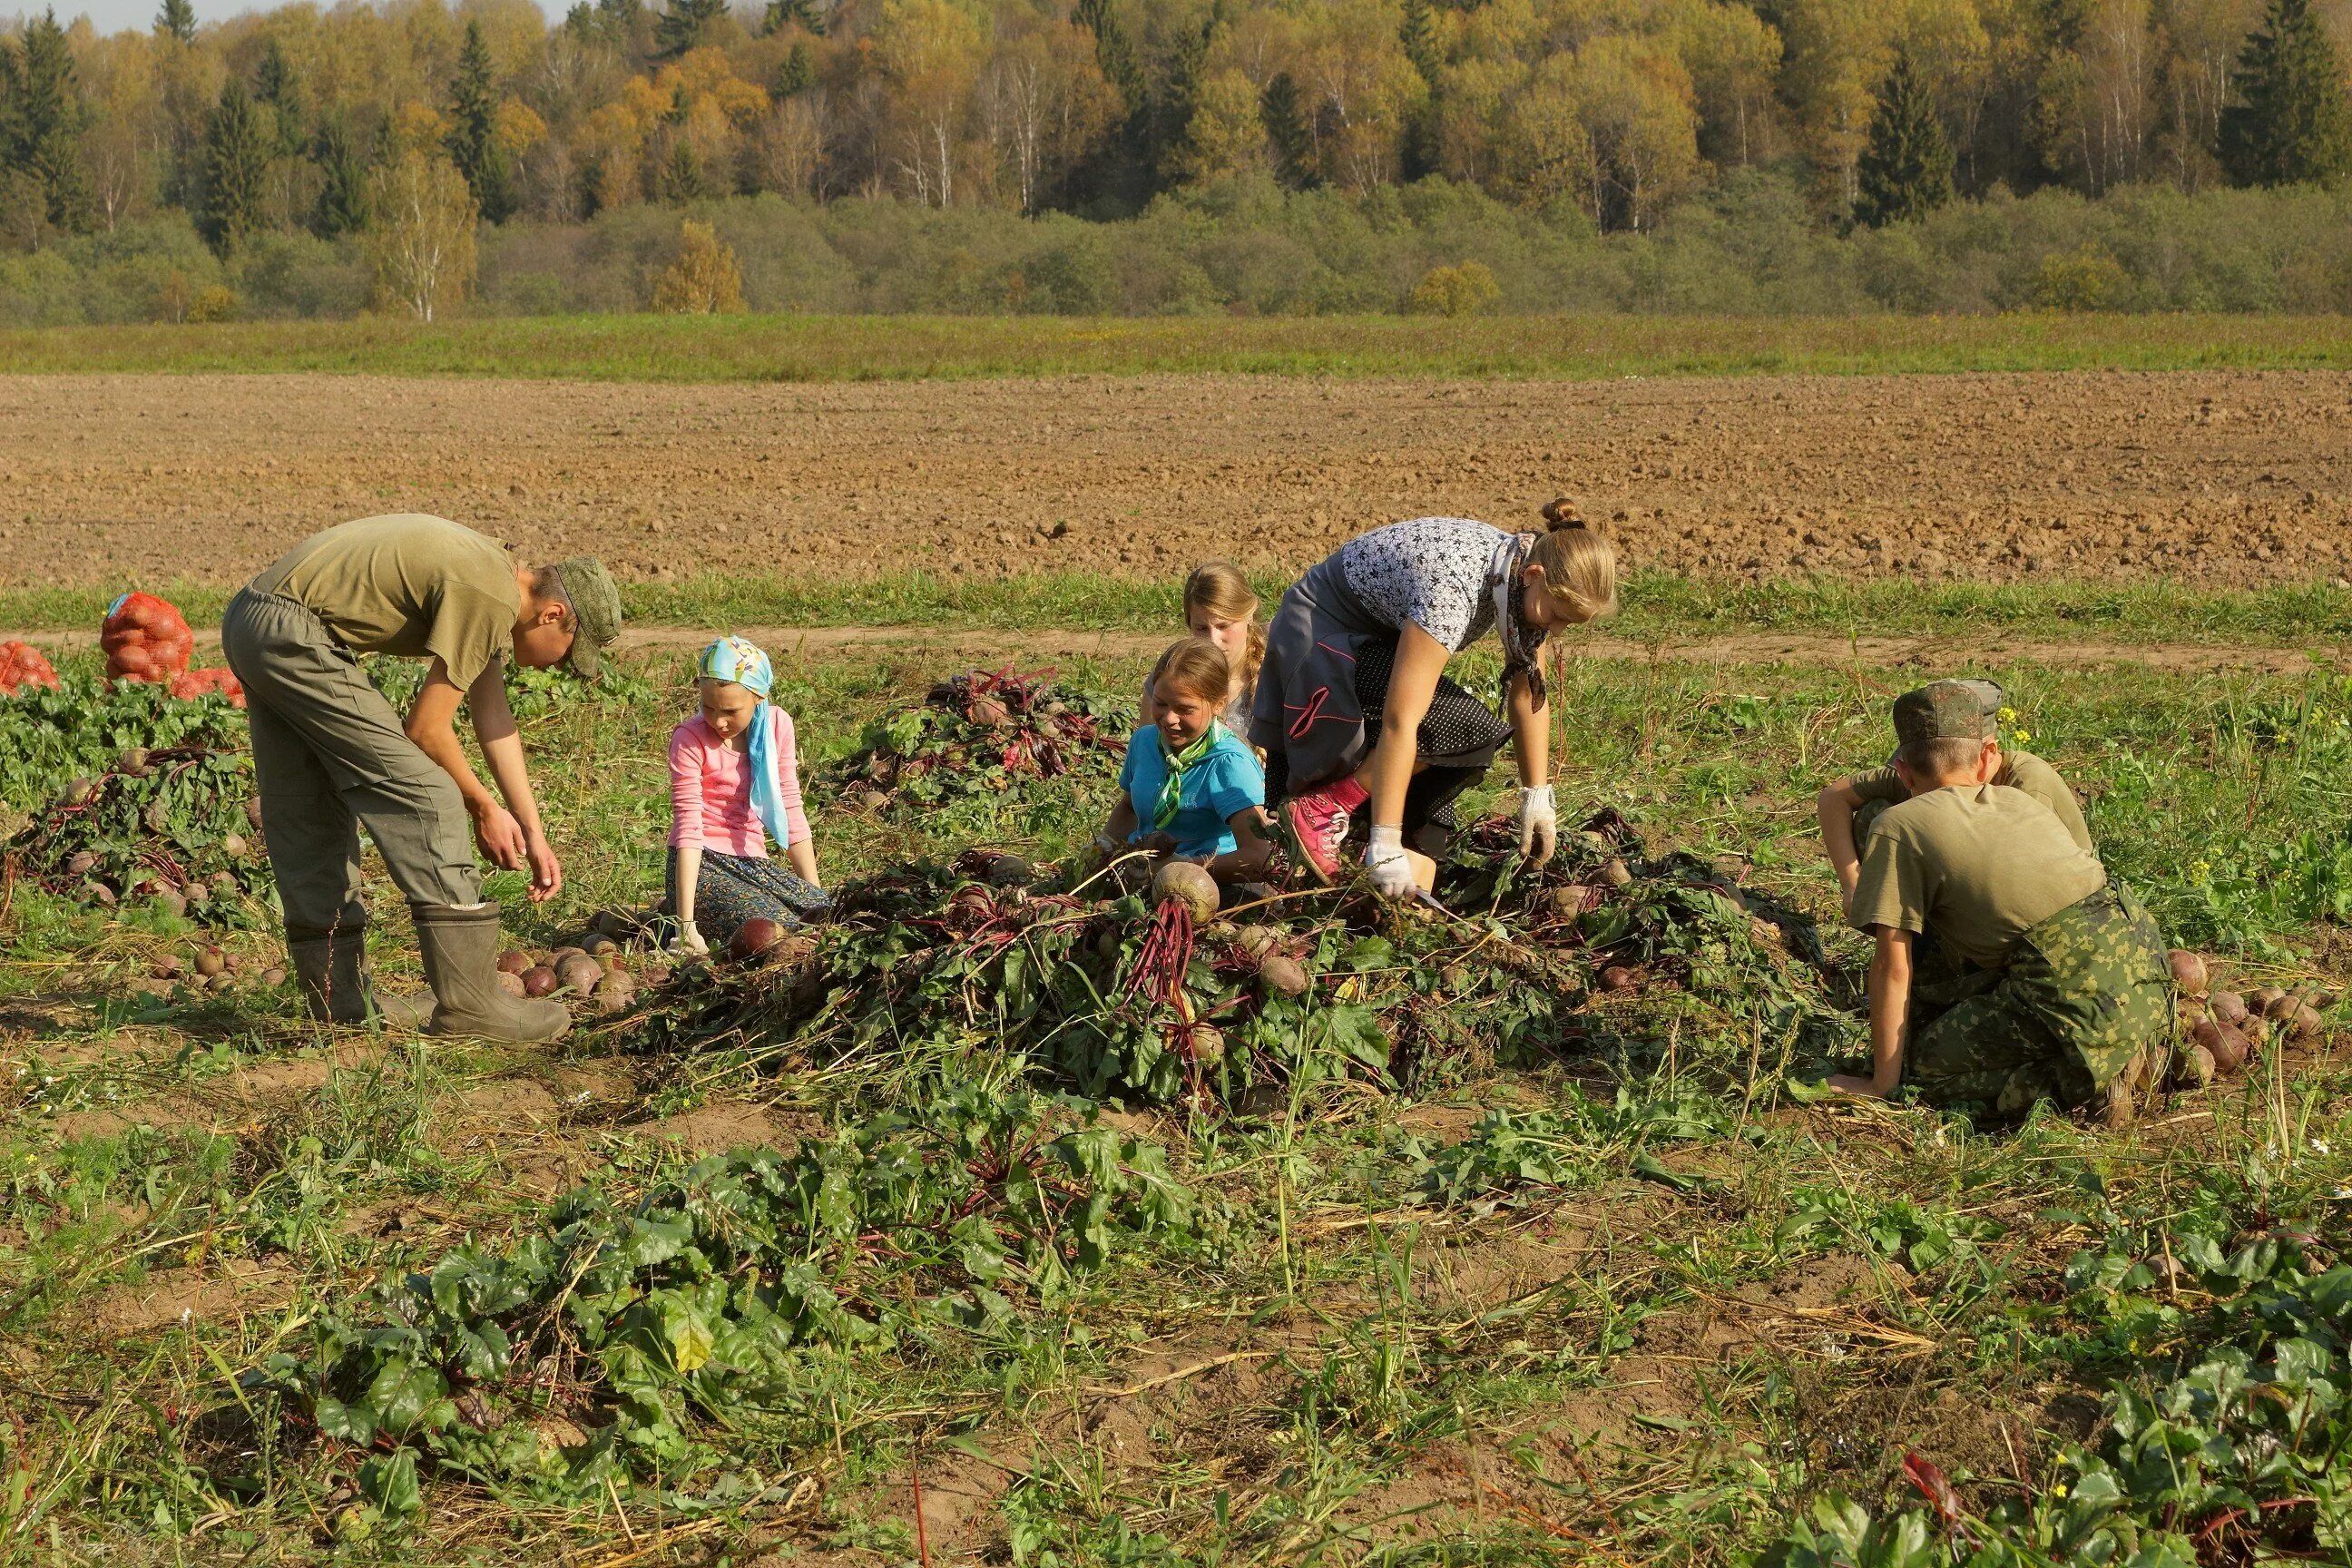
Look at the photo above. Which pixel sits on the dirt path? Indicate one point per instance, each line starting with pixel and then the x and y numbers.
pixel 1031 647
pixel 2213 477
pixel 1762 648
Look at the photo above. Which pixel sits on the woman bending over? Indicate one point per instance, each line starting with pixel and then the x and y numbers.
pixel 1353 706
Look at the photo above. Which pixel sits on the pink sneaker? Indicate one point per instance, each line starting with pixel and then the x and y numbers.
pixel 1317 824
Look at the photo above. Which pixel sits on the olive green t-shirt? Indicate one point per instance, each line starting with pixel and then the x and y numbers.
pixel 412 584
pixel 1977 865
pixel 2018 770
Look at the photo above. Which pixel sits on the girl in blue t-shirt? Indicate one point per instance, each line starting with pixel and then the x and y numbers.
pixel 1192 788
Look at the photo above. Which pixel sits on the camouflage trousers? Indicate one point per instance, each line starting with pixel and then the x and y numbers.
pixel 2086 990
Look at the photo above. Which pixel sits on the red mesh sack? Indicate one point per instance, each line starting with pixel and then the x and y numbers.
pixel 198 682
pixel 146 638
pixel 22 665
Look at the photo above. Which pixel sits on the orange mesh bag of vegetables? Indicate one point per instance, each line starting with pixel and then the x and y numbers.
pixel 146 638
pixel 201 682
pixel 21 666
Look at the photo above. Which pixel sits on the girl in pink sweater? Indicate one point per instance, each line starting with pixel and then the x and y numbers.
pixel 734 782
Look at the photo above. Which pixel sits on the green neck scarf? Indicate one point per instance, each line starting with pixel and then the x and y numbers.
pixel 1172 789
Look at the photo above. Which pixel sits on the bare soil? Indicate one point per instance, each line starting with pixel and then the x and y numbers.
pixel 2220 478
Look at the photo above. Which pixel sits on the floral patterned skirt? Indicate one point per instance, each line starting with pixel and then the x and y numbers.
pixel 732 889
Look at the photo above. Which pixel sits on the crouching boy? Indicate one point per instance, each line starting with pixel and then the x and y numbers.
pixel 1852 806
pixel 2045 982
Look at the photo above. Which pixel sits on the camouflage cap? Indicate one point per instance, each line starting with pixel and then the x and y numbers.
pixel 596 612
pixel 1946 710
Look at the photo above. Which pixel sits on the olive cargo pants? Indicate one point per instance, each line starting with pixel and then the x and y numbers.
pixel 329 753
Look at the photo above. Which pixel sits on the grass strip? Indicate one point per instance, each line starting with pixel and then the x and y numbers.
pixel 1656 607
pixel 899 348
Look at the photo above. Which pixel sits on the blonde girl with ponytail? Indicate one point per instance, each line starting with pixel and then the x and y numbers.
pixel 1354 709
pixel 1220 608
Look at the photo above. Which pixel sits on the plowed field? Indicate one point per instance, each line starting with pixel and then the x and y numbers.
pixel 2217 479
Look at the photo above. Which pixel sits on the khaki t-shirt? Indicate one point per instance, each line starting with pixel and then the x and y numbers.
pixel 1977 865
pixel 409 583
pixel 2018 770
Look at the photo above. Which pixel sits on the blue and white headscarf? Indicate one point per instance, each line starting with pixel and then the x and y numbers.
pixel 742 662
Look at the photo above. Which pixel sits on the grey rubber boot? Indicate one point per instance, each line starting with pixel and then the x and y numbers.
pixel 461 949
pixel 330 970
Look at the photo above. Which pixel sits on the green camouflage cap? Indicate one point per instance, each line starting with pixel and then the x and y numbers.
pixel 1946 710
pixel 596 612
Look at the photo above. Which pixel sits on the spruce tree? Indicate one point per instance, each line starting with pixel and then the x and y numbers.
pixel 236 171
pixel 41 121
pixel 1906 171
pixel 473 139
pixel 343 194
pixel 783 13
pixel 1120 170
pixel 1287 132
pixel 797 74
pixel 2293 124
pixel 1419 149
pixel 274 85
pixel 686 25
pixel 1418 36
pixel 177 20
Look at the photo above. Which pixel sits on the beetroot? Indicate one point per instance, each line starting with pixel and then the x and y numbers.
pixel 512 983
pixel 580 973
pixel 1281 976
pixel 1188 885
pixel 146 639
pixel 754 940
pixel 21 665
pixel 539 981
pixel 2304 1023
pixel 2188 972
pixel 2225 1045
pixel 513 961
pixel 2228 1007
pixel 2194 1069
pixel 2259 1002
pixel 1620 981
pixel 211 960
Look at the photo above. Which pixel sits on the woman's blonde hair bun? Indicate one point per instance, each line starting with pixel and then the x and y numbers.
pixel 1560 513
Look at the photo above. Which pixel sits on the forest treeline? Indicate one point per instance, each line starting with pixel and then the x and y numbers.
pixel 1160 154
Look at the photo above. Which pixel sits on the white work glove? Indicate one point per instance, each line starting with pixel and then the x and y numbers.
pixel 690 940
pixel 1390 872
pixel 1538 823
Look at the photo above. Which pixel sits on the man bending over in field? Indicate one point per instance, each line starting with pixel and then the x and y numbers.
pixel 1852 806
pixel 2047 983
pixel 329 752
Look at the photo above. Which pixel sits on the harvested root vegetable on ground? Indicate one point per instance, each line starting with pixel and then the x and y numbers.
pixel 2228 1007
pixel 1620 981
pixel 981 733
pixel 580 973
pixel 2189 975
pixel 539 981
pixel 2194 1069
pixel 2226 1046
pixel 2260 1002
pixel 512 984
pixel 22 665
pixel 2305 1023
pixel 146 639
pixel 1281 976
pixel 754 938
pixel 1191 885
pixel 513 961
pixel 195 683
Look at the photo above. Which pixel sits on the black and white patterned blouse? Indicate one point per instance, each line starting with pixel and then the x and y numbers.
pixel 1430 571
